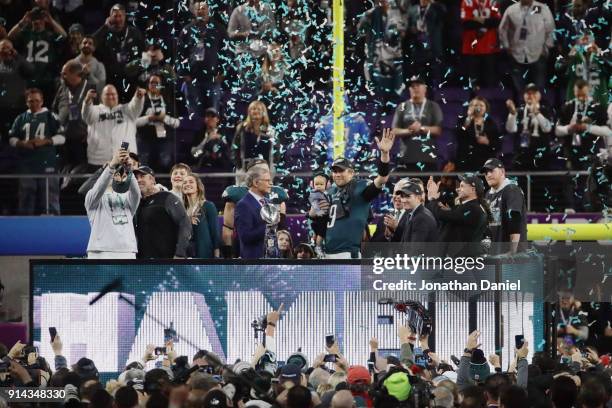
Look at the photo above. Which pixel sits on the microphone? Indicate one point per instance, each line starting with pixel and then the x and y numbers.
pixel 114 285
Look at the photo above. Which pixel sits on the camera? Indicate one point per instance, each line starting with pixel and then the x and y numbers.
pixel 160 351
pixel 260 323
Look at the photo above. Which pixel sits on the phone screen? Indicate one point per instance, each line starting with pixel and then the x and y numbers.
pixel 330 339
pixel 125 145
pixel 52 333
pixel 330 358
pixel 519 340
pixel 385 319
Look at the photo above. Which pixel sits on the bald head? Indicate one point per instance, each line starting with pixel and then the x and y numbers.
pixel 110 97
pixel 343 399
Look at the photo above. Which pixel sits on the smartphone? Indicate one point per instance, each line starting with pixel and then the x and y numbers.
pixel 52 333
pixel 455 360
pixel 125 145
pixel 519 340
pixel 160 351
pixel 385 319
pixel 330 339
pixel 329 358
pixel 371 366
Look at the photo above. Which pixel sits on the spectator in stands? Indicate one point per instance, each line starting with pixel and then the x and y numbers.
pixel 417 122
pixel 304 251
pixel 111 210
pixel 250 227
pixel 508 223
pixel 156 144
pixel 210 150
pixel 480 47
pixel 163 228
pixel 570 26
pixel 533 124
pixel 117 44
pixel 14 72
pixel 384 28
pixel 151 63
pixel 36 133
pixel 526 33
pixel 254 138
pixel 178 172
pixel 477 135
pixel 586 61
pixel 583 125
pixel 110 124
pixel 76 32
pixel 203 215
pixel 425 24
pixel 202 51
pixel 293 21
pixel 598 18
pixel 92 68
pixel 252 27
pixel 572 320
pixel 67 104
pixel 285 244
pixel 273 70
pixel 40 38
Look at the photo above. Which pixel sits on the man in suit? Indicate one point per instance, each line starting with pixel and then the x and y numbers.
pixel 464 226
pixel 421 226
pixel 250 227
pixel 391 227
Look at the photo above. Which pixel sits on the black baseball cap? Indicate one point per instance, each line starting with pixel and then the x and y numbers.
pixel 342 163
pixel 474 181
pixel 144 170
pixel 531 87
pixel 492 164
pixel 211 112
pixel 291 372
pixel 416 80
pixel 411 188
pixel 76 28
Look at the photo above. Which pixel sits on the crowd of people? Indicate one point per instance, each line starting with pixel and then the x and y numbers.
pixel 579 377
pixel 194 67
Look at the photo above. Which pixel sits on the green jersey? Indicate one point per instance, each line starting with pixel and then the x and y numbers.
pixel 41 125
pixel 235 193
pixel 592 68
pixel 42 49
pixel 348 216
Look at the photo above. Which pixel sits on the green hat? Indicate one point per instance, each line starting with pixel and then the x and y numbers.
pixel 398 386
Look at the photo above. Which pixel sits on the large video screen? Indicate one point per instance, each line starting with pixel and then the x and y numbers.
pixel 212 306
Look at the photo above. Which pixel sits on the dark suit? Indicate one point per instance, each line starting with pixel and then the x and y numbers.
pixel 379 234
pixel 420 228
pixel 250 228
pixel 463 228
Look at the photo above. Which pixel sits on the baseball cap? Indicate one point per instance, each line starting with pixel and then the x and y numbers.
pixel 398 386
pixel 299 359
pixel 76 28
pixel 342 163
pixel 411 188
pixel 358 375
pixel 144 170
pixel 86 369
pixel 492 164
pixel 474 181
pixel 290 372
pixel 531 87
pixel 211 112
pixel 416 80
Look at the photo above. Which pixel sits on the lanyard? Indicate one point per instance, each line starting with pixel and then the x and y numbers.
pixel 580 109
pixel 423 12
pixel 413 113
pixel 71 96
pixel 529 120
pixel 525 14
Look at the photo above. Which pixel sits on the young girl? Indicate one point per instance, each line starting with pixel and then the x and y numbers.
pixel 285 244
pixel 203 214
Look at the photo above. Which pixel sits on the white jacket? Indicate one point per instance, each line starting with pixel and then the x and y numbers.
pixel 111 216
pixel 107 128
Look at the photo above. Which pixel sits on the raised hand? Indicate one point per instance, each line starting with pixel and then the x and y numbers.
pixel 385 143
pixel 472 340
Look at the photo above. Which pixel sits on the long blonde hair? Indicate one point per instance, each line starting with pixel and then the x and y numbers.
pixel 194 209
pixel 265 120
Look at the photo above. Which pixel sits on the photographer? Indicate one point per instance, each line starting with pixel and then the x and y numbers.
pixel 348 211
pixel 111 205
pixel 477 135
pixel 583 125
pixel 532 122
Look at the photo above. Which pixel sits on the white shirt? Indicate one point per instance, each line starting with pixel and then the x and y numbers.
pixel 537 24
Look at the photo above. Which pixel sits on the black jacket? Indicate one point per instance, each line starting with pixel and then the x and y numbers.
pixel 379 234
pixel 420 228
pixel 462 228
